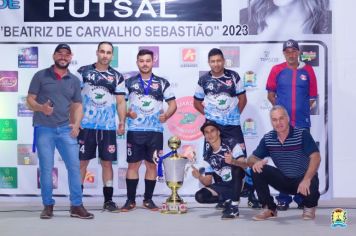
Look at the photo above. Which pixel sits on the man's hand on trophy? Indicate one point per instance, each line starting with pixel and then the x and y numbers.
pixel 228 158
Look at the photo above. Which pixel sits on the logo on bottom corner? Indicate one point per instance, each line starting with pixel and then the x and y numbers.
pixel 338 218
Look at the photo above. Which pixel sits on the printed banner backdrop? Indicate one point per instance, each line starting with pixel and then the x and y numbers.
pixel 181 33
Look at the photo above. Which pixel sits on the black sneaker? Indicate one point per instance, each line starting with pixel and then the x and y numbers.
pixel 111 206
pixel 220 206
pixel 129 206
pixel 300 206
pixel 231 213
pixel 227 205
pixel 149 204
pixel 282 206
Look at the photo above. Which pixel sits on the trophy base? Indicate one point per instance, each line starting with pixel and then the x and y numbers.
pixel 174 208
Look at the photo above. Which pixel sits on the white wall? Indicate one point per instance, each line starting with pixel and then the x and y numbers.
pixel 344 98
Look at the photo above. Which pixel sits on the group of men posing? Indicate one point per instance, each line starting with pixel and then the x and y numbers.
pixel 68 111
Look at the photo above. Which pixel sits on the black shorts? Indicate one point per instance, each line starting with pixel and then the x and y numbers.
pixel 230 131
pixel 105 140
pixel 142 144
pixel 225 190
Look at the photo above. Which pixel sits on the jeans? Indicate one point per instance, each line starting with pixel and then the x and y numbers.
pixel 47 139
pixel 271 176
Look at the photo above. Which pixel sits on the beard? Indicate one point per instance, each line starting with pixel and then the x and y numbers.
pixel 61 66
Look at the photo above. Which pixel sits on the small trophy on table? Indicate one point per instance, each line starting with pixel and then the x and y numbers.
pixel 174 170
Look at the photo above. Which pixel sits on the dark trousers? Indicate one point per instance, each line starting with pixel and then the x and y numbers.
pixel 226 190
pixel 271 176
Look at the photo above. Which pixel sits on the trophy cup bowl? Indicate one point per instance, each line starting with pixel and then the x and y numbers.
pixel 174 167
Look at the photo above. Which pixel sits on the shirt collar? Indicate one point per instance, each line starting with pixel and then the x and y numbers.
pixel 291 129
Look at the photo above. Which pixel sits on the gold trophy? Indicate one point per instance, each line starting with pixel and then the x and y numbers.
pixel 174 166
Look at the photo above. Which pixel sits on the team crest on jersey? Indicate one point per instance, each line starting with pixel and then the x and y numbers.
pixel 111 149
pixel 228 82
pixel 154 85
pixel 225 173
pixel 147 104
pixel 110 78
pixel 303 77
pixel 136 86
pixel 98 96
pixel 222 102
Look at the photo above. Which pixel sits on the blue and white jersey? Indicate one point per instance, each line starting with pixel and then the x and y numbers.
pixel 146 100
pixel 216 160
pixel 220 97
pixel 99 91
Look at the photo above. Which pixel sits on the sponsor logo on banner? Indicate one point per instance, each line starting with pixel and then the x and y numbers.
pixel 10 4
pixel 8 177
pixel 28 57
pixel 339 218
pixel 265 105
pixel 122 10
pixel 25 156
pixel 122 178
pixel 267 57
pixel 310 54
pixel 189 57
pixel 232 56
pixel 22 109
pixel 8 81
pixel 91 178
pixel 54 178
pixel 115 57
pixel 250 80
pixel 155 50
pixel 189 151
pixel 186 121
pixel 249 128
pixel 8 129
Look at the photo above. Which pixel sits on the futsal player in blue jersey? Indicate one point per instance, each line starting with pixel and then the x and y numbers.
pixel 145 117
pixel 220 96
pixel 103 92
pixel 226 159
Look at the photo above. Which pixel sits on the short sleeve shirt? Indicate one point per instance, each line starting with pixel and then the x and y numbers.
pixel 146 100
pixel 99 91
pixel 216 160
pixel 61 93
pixel 220 96
pixel 293 156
